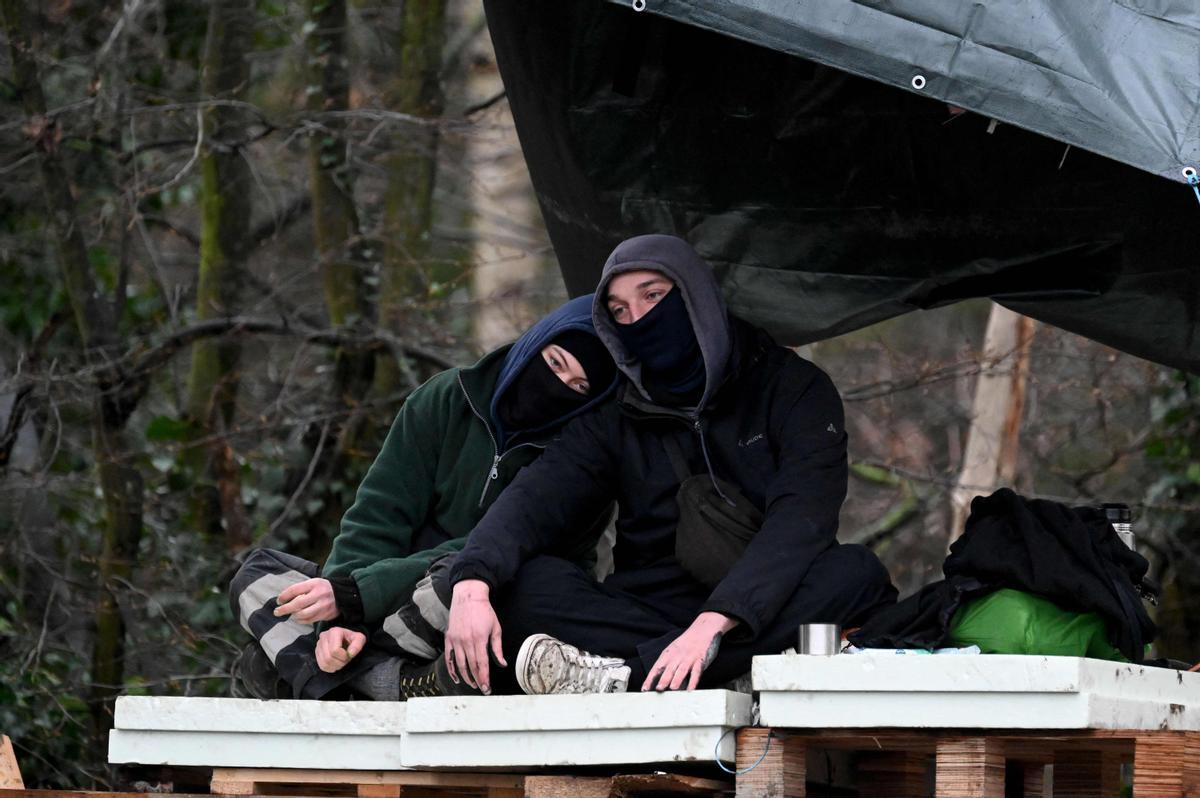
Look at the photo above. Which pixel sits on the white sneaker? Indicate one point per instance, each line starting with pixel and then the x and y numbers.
pixel 546 665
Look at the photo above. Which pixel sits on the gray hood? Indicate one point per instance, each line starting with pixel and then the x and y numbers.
pixel 694 278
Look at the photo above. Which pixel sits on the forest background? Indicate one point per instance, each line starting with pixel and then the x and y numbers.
pixel 235 234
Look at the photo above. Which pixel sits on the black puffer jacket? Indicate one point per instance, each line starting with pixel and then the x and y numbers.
pixel 770 422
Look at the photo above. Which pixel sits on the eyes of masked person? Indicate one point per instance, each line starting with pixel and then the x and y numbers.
pixel 633 294
pixel 567 368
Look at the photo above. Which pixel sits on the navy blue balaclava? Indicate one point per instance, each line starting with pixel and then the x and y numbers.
pixel 664 340
pixel 537 397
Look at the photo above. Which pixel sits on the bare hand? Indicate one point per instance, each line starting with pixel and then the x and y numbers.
pixel 473 626
pixel 689 654
pixel 308 601
pixel 337 646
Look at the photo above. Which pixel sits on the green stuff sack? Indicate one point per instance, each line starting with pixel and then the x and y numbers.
pixel 1014 622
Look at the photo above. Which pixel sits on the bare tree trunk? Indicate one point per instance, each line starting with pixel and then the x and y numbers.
pixel 340 254
pixel 114 396
pixel 993 439
pixel 412 172
pixel 226 187
pixel 508 236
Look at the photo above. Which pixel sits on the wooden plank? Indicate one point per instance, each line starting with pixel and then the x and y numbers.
pixel 898 774
pixel 1084 773
pixel 234 787
pixel 417 778
pixel 969 767
pixel 567 787
pixel 379 790
pixel 780 768
pixel 10 771
pixel 666 783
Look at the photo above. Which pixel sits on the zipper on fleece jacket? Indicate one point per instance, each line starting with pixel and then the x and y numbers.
pixel 494 472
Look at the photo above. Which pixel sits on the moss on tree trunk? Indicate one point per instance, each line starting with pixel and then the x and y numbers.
pixel 226 187
pixel 114 395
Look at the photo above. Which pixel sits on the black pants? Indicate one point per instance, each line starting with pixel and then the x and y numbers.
pixel 635 614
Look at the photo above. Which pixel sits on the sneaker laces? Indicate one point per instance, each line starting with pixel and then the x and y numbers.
pixel 586 672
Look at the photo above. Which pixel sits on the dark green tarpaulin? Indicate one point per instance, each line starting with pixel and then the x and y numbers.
pixel 785 140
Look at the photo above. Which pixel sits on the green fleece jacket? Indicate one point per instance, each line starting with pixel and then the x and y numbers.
pixel 436 475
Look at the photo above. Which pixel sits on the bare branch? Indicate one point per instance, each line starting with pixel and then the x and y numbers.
pixel 151 359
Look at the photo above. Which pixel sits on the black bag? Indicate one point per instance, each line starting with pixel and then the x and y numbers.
pixel 713 530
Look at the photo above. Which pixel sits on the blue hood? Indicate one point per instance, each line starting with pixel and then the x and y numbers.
pixel 574 315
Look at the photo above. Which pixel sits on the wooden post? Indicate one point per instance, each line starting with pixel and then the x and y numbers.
pixel 10 772
pixel 1159 765
pixel 970 767
pixel 898 774
pixel 1086 774
pixel 781 772
pixel 1033 779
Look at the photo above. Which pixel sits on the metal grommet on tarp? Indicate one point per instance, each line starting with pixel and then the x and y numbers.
pixel 639 5
pixel 918 82
pixel 1193 177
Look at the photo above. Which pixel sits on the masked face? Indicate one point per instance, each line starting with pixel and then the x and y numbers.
pixel 654 326
pixel 567 368
pixel 569 371
pixel 633 294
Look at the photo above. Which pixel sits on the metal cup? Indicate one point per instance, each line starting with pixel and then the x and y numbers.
pixel 820 639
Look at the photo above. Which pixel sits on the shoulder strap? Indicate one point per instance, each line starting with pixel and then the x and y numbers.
pixel 678 461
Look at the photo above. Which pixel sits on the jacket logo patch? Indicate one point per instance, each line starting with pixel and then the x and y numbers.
pixel 752 439
pixel 830 428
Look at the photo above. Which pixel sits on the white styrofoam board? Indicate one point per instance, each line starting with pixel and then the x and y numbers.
pixel 536 731
pixel 493 731
pixel 256 750
pixel 241 732
pixel 967 673
pixel 568 712
pixel 986 691
pixel 169 713
pixel 573 747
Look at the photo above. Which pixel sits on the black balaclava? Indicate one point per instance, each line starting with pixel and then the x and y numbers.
pixel 592 355
pixel 537 397
pixel 665 343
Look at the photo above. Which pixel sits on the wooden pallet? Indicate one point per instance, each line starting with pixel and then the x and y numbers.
pixel 364 783
pixel 428 784
pixel 968 763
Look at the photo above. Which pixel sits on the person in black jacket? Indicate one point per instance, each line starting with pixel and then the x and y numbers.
pixel 704 387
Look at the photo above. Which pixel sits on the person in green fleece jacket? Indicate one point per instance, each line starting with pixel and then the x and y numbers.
pixel 456 443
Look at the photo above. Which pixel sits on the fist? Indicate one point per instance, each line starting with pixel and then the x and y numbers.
pixel 337 646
